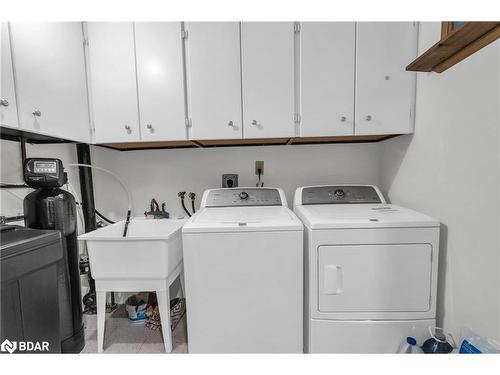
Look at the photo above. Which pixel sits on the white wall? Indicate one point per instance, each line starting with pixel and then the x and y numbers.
pixel 163 173
pixel 449 169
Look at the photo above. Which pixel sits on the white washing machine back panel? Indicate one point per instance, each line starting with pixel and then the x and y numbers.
pixel 338 194
pixel 243 197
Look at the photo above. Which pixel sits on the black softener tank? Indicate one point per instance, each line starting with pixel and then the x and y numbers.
pixel 49 207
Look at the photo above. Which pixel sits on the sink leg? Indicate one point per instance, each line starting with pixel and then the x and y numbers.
pixel 164 307
pixel 183 286
pixel 101 320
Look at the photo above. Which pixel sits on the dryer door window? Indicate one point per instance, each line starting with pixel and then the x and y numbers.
pixel 374 278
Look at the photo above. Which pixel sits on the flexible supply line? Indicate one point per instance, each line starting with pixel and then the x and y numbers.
pixel 79 210
pixel 127 191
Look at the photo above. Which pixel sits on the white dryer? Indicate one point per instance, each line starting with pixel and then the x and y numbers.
pixel 370 270
pixel 243 265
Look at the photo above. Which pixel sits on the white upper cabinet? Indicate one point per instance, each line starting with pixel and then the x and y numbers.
pixel 160 80
pixel 8 108
pixel 267 50
pixel 327 77
pixel 113 84
pixel 385 92
pixel 50 78
pixel 213 72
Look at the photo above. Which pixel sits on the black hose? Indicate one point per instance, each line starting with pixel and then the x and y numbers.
pixel 100 215
pixel 104 217
pixel 192 196
pixel 184 207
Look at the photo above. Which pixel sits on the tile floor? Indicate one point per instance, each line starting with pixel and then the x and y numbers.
pixel 123 337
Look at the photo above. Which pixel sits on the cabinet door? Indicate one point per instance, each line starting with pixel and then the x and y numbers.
pixel 50 78
pixel 213 67
pixel 160 80
pixel 113 81
pixel 8 108
pixel 267 53
pixel 327 75
pixel 385 92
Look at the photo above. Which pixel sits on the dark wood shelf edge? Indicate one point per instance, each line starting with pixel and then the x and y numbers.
pixel 136 146
pixel 456 46
pixel 16 135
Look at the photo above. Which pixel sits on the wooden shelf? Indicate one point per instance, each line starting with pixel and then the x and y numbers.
pixel 244 142
pixel 16 135
pixel 455 46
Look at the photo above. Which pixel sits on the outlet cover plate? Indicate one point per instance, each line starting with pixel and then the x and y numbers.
pixel 229 180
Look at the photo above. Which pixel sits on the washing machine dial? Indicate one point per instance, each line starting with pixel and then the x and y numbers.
pixel 243 195
pixel 339 193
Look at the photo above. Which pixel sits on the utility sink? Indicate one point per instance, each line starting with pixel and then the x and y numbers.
pixel 151 250
pixel 149 258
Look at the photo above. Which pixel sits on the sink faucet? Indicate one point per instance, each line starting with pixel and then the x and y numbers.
pixel 154 209
pixel 154 206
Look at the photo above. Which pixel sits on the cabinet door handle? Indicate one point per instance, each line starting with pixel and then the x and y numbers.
pixel 230 123
pixel 254 122
pixel 128 129
pixel 150 127
pixel 37 113
pixel 343 119
pixel 4 103
pixel 368 118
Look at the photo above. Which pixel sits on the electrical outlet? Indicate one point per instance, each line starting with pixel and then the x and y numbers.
pixel 259 164
pixel 229 180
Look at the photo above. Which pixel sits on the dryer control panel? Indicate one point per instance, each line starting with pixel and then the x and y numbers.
pixel 341 194
pixel 243 197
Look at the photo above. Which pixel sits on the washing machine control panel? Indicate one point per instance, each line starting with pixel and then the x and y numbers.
pixel 340 195
pixel 243 197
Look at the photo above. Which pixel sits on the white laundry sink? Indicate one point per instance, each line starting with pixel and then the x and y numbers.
pixel 151 250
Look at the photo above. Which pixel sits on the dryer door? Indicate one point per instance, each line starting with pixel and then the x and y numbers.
pixel 374 278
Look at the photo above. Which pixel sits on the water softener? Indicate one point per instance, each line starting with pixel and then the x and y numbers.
pixel 49 207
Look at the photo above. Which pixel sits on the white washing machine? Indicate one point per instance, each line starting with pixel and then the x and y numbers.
pixel 243 266
pixel 370 270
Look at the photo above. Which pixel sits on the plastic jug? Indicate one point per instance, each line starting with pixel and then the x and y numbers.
pixel 437 343
pixel 409 346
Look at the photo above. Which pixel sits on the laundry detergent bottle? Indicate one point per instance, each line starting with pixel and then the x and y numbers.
pixel 409 346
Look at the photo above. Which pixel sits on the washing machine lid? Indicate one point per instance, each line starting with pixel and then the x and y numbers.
pixel 243 219
pixel 333 216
